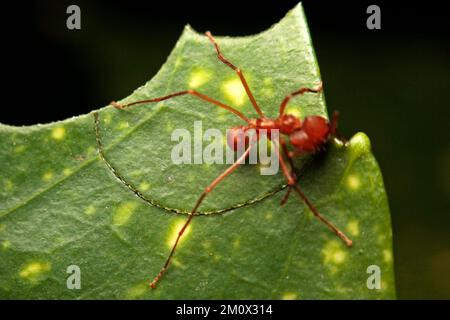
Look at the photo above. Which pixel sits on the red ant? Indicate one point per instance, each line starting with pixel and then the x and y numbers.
pixel 307 136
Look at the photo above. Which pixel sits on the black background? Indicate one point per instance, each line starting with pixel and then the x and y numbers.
pixel 393 84
pixel 167 309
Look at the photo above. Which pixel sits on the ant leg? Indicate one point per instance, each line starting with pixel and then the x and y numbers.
pixel 180 93
pixel 286 196
pixel 239 73
pixel 291 163
pixel 301 91
pixel 333 228
pixel 334 127
pixel 291 180
pixel 313 209
pixel 286 152
pixel 207 190
pixel 334 123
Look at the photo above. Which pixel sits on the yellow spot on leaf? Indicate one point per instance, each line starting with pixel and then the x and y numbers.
pixel 107 118
pixel 47 176
pixel 123 125
pixel 58 133
pixel 267 81
pixel 178 62
pixel 381 238
pixel 237 243
pixel 35 271
pixel 137 291
pixel 9 185
pixel 67 171
pixel 234 91
pixel 124 213
pixel 90 210
pixel 6 244
pixel 169 127
pixel 174 229
pixel 289 296
pixel 387 256
pixel 144 186
pixel 353 182
pixel 353 228
pixel 333 253
pixel 269 216
pixel 19 149
pixel 198 78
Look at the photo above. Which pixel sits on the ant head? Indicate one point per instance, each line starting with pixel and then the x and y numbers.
pixel 289 123
pixel 313 134
pixel 237 138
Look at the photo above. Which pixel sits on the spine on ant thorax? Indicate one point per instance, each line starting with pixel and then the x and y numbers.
pixel 266 124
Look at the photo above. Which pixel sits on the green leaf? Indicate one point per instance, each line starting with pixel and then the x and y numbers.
pixel 62 203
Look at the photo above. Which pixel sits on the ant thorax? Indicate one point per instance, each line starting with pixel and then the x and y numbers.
pixel 286 124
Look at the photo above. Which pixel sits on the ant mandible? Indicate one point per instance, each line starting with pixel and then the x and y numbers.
pixel 307 136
